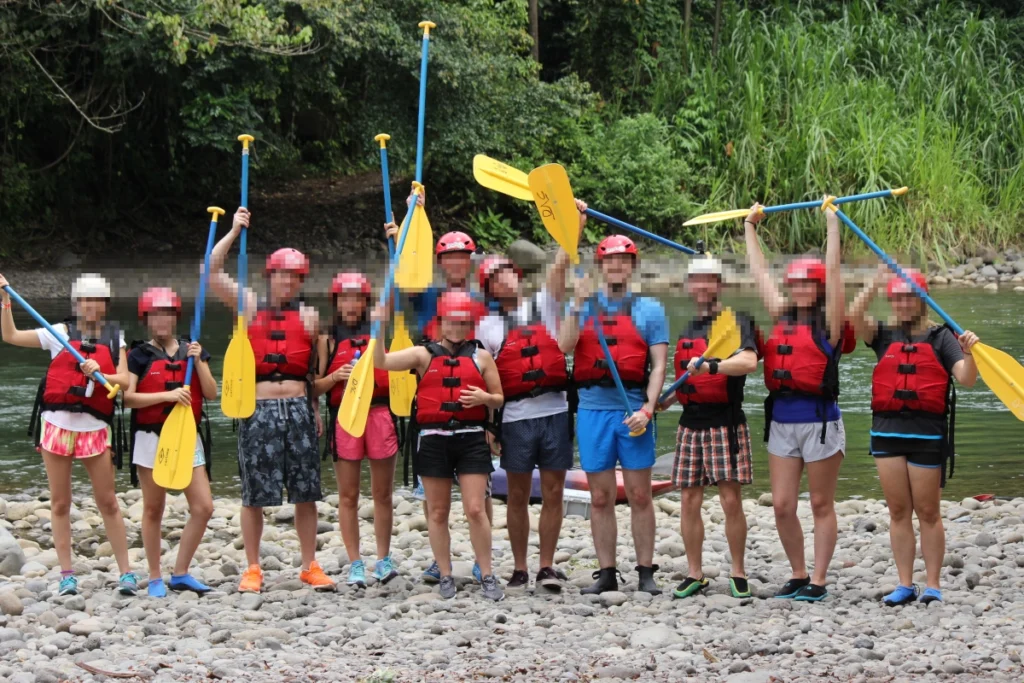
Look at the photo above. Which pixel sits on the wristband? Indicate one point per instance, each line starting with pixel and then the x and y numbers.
pixel 647 414
pixel 713 367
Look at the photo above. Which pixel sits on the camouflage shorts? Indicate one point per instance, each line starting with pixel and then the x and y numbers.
pixel 278 449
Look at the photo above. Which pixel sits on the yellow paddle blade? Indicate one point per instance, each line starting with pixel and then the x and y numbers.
pixel 415 269
pixel 1004 376
pixel 725 336
pixel 176 449
pixel 355 403
pixel 553 196
pixel 718 216
pixel 238 387
pixel 500 177
pixel 401 385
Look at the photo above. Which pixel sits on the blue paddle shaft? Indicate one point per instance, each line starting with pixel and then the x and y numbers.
pixel 679 382
pixel 197 319
pixel 605 218
pixel 817 204
pixel 56 335
pixel 894 267
pixel 243 259
pixel 386 177
pixel 614 371
pixel 389 282
pixel 423 110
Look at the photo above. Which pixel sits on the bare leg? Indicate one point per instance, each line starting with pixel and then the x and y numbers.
pixel 347 473
pixel 519 486
pixel 603 524
pixel 552 484
pixel 926 486
pixel 58 474
pixel 200 509
pixel 691 525
pixel 252 532
pixel 822 477
pixel 892 473
pixel 154 498
pixel 439 493
pixel 489 507
pixel 785 476
pixel 382 483
pixel 474 489
pixel 101 474
pixel 305 526
pixel 641 513
pixel 735 525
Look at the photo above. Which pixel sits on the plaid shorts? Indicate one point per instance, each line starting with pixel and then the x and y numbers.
pixel 703 458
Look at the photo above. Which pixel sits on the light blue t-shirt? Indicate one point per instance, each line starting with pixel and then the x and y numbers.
pixel 651 322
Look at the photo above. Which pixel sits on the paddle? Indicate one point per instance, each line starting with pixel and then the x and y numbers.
pixel 176 449
pixel 723 342
pixel 238 388
pixel 355 402
pixel 112 389
pixel 416 260
pixel 506 179
pixel 549 185
pixel 742 213
pixel 401 385
pixel 1003 374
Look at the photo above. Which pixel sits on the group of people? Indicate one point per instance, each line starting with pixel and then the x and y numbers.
pixel 503 372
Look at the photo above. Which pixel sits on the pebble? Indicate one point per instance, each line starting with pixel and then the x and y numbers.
pixel 10 604
pixel 613 598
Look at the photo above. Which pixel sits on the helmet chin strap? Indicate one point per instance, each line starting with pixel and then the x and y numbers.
pixel 617 287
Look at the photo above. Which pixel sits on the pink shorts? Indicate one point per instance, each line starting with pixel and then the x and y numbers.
pixel 74 444
pixel 378 442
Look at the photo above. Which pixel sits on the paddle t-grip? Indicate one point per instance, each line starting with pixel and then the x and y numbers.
pixel 382 138
pixel 215 212
pixel 426 26
pixel 245 139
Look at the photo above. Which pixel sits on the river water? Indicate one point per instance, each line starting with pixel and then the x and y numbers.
pixel 990 442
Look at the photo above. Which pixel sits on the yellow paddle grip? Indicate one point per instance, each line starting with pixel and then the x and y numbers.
pixel 426 26
pixel 827 204
pixel 216 212
pixel 382 138
pixel 112 389
pixel 245 140
pixel 900 191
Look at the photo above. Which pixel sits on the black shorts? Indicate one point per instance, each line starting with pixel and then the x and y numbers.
pixel 544 443
pixel 278 449
pixel 930 453
pixel 444 456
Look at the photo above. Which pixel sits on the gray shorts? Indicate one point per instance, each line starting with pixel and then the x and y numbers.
pixel 803 440
pixel 278 449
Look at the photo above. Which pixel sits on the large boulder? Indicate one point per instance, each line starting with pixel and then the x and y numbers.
pixel 12 557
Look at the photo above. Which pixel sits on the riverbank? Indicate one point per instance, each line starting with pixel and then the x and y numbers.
pixel 404 632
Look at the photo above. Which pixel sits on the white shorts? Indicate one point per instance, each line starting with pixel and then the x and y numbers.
pixel 803 440
pixel 146 444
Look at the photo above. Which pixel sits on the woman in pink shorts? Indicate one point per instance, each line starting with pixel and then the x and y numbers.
pixel 338 352
pixel 76 416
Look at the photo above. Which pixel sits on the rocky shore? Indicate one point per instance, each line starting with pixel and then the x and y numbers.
pixel 404 632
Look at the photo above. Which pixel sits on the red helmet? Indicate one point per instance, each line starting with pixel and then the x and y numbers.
pixel 898 285
pixel 454 242
pixel 288 260
pixel 490 266
pixel 616 244
pixel 350 282
pixel 807 268
pixel 158 298
pixel 457 305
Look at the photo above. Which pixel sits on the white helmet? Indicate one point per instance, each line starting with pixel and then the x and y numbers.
pixel 704 265
pixel 90 286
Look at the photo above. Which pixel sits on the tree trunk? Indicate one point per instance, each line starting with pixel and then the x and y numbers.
pixel 718 30
pixel 687 7
pixel 535 30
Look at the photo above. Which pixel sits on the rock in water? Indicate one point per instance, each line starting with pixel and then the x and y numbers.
pixel 12 557
pixel 527 256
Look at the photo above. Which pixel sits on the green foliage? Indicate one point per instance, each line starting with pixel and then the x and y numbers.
pixel 492 230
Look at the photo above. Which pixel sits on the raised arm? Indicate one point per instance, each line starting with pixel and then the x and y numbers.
pixel 415 358
pixel 569 330
pixel 864 325
pixel 201 370
pixel 28 339
pixel 223 285
pixel 556 274
pixel 770 294
pixel 835 302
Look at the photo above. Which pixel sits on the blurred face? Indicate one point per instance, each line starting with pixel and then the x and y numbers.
pixel 162 323
pixel 455 265
pixel 284 285
pixel 351 306
pixel 456 330
pixel 704 289
pixel 91 310
pixel 504 284
pixel 617 269
pixel 907 308
pixel 804 293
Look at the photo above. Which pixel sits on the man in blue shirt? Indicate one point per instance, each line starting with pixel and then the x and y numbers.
pixel 636 331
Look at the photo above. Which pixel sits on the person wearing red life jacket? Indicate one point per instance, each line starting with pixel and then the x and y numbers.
pixel 522 335
pixel 804 427
pixel 278 446
pixel 912 414
pixel 156 383
pixel 338 352
pixel 713 441
pixel 636 330
pixel 458 390
pixel 76 416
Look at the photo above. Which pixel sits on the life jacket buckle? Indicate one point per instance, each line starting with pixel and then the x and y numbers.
pixel 782 374
pixel 529 351
pixel 687 345
pixel 905 394
pixel 535 375
pixel 907 369
pixel 451 362
pixel 87 347
pixel 451 382
pixel 611 341
pixel 77 391
pixel 278 335
pixel 171 386
pixel 687 389
pixel 785 349
pixel 451 407
pixel 275 358
pixel 173 367
pixel 909 348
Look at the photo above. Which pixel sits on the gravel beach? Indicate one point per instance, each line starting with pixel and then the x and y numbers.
pixel 404 632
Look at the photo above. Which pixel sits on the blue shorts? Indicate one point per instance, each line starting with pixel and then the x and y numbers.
pixel 605 441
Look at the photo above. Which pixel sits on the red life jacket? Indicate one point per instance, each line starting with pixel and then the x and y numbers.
pixel 282 346
pixel 706 388
pixel 345 346
pixel 65 385
pixel 796 362
pixel 164 373
pixel 910 377
pixel 437 395
pixel 628 350
pixel 530 362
